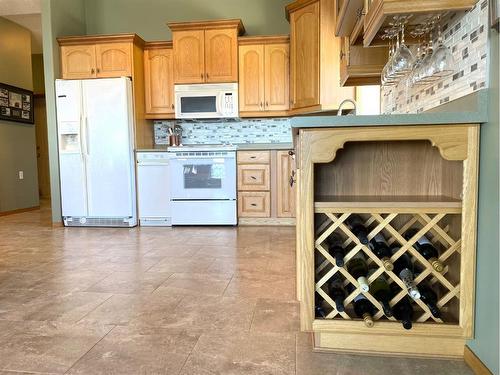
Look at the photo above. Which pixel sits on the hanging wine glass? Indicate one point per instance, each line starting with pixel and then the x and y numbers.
pixel 403 58
pixel 443 61
pixel 425 74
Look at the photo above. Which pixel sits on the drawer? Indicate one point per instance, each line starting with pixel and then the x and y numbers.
pixel 254 177
pixel 254 204
pixel 254 157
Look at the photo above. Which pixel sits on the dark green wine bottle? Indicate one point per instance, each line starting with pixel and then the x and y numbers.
pixel 380 289
pixel 429 297
pixel 337 293
pixel 336 249
pixel 403 311
pixel 357 227
pixel 358 269
pixel 381 249
pixel 426 249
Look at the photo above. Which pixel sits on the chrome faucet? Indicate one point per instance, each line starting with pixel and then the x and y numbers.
pixel 339 112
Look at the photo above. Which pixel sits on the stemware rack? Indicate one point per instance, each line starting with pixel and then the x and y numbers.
pixel 374 173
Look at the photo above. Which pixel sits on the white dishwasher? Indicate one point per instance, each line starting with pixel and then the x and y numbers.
pixel 153 188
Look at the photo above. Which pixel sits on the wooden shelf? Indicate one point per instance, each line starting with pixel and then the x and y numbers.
pixel 386 204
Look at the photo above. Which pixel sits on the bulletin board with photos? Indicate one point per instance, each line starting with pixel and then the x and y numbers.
pixel 16 104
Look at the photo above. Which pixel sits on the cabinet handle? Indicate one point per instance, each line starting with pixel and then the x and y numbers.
pixel 253 204
pixel 201 75
pixel 292 179
pixel 267 104
pixel 253 157
pixel 98 70
pixel 173 106
pixel 206 75
pixel 92 70
pixel 261 106
pixel 253 177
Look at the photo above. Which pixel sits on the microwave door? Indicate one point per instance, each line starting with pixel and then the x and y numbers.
pixel 196 105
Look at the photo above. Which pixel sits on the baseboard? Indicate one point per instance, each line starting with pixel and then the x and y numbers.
pixel 475 363
pixel 57 224
pixel 269 221
pixel 19 211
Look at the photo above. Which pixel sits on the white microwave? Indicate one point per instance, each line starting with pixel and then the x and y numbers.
pixel 218 100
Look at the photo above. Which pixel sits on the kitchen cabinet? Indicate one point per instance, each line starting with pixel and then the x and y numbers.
pixel 337 178
pixel 361 66
pixel 105 56
pixel 159 80
pixel 264 76
pixel 347 12
pixel 265 196
pixel 206 52
pixel 110 56
pixel 379 13
pixel 314 57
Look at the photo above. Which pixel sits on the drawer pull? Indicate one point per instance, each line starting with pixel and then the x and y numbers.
pixel 253 177
pixel 253 157
pixel 253 204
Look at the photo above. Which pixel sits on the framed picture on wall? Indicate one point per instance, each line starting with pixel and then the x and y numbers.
pixel 16 104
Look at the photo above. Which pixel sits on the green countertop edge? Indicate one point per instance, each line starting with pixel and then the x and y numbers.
pixel 476 113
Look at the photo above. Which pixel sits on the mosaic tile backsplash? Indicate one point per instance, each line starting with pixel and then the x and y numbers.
pixel 223 132
pixel 466 34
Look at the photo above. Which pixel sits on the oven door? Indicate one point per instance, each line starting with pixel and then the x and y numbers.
pixel 198 104
pixel 200 178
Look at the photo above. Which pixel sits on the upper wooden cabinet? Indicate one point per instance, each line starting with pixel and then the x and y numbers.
pixel 314 57
pixel 264 76
pixel 206 52
pixel 103 56
pixel 379 13
pixel 347 13
pixel 361 66
pixel 159 80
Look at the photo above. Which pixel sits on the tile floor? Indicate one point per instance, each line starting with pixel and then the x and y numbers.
pixel 161 301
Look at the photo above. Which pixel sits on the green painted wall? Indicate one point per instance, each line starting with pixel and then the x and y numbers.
pixel 17 141
pixel 38 73
pixel 485 344
pixel 149 18
pixel 59 18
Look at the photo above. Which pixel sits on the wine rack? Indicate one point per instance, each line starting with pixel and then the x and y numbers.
pixel 395 178
pixel 334 221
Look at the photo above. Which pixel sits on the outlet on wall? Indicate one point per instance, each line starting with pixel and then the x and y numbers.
pixel 21 175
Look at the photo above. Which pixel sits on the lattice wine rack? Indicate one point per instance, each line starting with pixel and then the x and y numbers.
pixel 436 226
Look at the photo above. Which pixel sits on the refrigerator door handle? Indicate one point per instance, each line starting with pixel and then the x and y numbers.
pixel 87 146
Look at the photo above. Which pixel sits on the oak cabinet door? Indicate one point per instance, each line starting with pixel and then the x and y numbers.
pixel 78 62
pixel 113 60
pixel 189 56
pixel 159 81
pixel 276 77
pixel 221 55
pixel 305 56
pixel 251 82
pixel 285 195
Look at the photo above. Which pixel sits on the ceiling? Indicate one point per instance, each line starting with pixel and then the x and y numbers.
pixel 26 13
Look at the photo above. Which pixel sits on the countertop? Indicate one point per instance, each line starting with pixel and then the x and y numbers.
pixel 471 109
pixel 242 146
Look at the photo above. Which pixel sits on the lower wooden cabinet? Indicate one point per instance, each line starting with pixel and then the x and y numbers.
pixel 265 195
pixel 254 204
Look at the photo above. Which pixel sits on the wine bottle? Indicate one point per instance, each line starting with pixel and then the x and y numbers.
pixel 381 249
pixel 336 249
pixel 337 293
pixel 357 227
pixel 358 269
pixel 319 311
pixel 403 267
pixel 429 297
pixel 426 249
pixel 364 309
pixel 379 288
pixel 403 311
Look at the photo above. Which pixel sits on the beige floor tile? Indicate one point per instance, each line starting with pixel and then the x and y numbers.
pixel 126 351
pixel 256 264
pixel 130 282
pixel 48 346
pixel 261 285
pixel 242 353
pixel 183 265
pixel 119 309
pixel 276 316
pixel 67 307
pixel 209 284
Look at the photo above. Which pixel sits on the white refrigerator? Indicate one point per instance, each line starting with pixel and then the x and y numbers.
pixel 96 152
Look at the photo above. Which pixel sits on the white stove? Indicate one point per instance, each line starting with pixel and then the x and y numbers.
pixel 203 184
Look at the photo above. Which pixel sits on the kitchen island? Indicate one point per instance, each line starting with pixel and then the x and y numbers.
pixel 396 173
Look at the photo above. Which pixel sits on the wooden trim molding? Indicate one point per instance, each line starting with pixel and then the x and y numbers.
pixel 296 5
pixel 266 221
pixel 19 211
pixel 158 44
pixel 208 25
pixel 472 360
pixel 263 39
pixel 97 39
